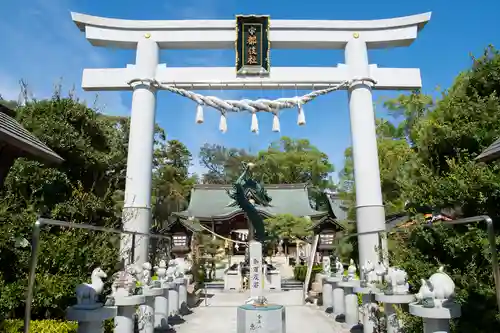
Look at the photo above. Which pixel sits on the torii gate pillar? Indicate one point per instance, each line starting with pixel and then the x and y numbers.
pixel 370 214
pixel 355 37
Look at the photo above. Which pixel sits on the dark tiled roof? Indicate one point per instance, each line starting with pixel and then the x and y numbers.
pixel 337 205
pixel 491 153
pixel 211 201
pixel 14 134
pixel 189 224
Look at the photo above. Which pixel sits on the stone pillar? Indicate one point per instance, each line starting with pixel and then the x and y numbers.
pixel 393 323
pixel 161 309
pixel 337 296
pixel 327 295
pixel 173 301
pixel 255 250
pixel 370 216
pixel 125 318
pixel 436 320
pixel 91 320
pixel 369 305
pixel 182 288
pixel 137 204
pixel 351 310
pixel 147 310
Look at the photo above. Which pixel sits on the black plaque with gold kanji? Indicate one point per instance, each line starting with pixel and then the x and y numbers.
pixel 252 45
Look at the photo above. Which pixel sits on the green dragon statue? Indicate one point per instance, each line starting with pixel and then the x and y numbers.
pixel 243 186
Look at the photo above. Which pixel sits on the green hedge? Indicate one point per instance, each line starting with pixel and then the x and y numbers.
pixel 300 272
pixel 39 326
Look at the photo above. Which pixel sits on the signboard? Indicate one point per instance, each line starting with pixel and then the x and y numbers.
pixel 252 45
pixel 255 280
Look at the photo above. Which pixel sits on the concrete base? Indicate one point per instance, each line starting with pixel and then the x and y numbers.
pixel 91 321
pixel 351 310
pixel 369 306
pixel 147 311
pixel 161 311
pixel 263 319
pixel 173 300
pixel 232 281
pixel 182 289
pixel 273 281
pixel 393 323
pixel 436 320
pixel 125 318
pixel 327 296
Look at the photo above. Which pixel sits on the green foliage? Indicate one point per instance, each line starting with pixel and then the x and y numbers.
pixel 300 273
pixel 286 161
pixel 287 226
pixel 428 160
pixel 39 326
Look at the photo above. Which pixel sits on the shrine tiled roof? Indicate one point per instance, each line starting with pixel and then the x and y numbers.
pixel 15 135
pixel 211 202
pixel 491 153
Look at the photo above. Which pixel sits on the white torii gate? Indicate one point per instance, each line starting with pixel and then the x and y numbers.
pixel 355 37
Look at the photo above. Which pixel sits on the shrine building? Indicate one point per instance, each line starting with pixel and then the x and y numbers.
pixel 211 206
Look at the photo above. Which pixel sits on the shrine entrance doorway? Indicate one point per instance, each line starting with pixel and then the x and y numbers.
pixel 253 37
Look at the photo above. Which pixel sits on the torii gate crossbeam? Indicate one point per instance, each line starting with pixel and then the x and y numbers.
pixel 355 37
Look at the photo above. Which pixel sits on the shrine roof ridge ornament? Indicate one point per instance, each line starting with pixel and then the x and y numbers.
pixel 219 34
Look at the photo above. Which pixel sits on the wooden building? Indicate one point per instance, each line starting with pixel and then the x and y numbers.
pixel 216 211
pixel 16 141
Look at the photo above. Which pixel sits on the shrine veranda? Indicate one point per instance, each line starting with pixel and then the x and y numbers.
pixel 253 71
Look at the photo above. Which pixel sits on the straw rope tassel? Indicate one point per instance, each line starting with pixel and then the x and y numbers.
pixel 223 123
pixel 301 119
pixel 255 123
pixel 276 123
pixel 199 114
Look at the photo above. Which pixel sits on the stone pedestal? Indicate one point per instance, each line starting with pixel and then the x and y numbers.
pixel 273 281
pixel 91 320
pixel 173 301
pixel 369 306
pixel 351 310
pixel 393 324
pixel 436 320
pixel 124 320
pixel 232 281
pixel 147 310
pixel 161 309
pixel 182 289
pixel 327 294
pixel 261 319
pixel 337 295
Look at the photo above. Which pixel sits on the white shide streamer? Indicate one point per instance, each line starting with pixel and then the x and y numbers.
pixel 251 106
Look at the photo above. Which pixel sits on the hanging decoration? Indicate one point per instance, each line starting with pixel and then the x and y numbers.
pixel 252 106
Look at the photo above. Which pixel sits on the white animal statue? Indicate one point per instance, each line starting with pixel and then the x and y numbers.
pixel 124 282
pixel 171 270
pixel 161 270
pixel 326 265
pixel 381 271
pixel 180 267
pixel 339 268
pixel 398 280
pixel 146 274
pixel 439 288
pixel 351 270
pixel 369 274
pixel 87 294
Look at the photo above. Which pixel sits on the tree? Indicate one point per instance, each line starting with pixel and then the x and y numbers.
pixel 286 226
pixel 442 173
pixel 80 190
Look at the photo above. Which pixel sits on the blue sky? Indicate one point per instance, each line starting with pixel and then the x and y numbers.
pixel 43 45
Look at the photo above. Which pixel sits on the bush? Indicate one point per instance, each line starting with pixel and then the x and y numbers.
pixel 39 326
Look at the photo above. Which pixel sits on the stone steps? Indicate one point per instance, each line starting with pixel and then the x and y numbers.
pixel 285 285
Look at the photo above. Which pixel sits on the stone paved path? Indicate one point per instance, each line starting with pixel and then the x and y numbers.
pixel 219 315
